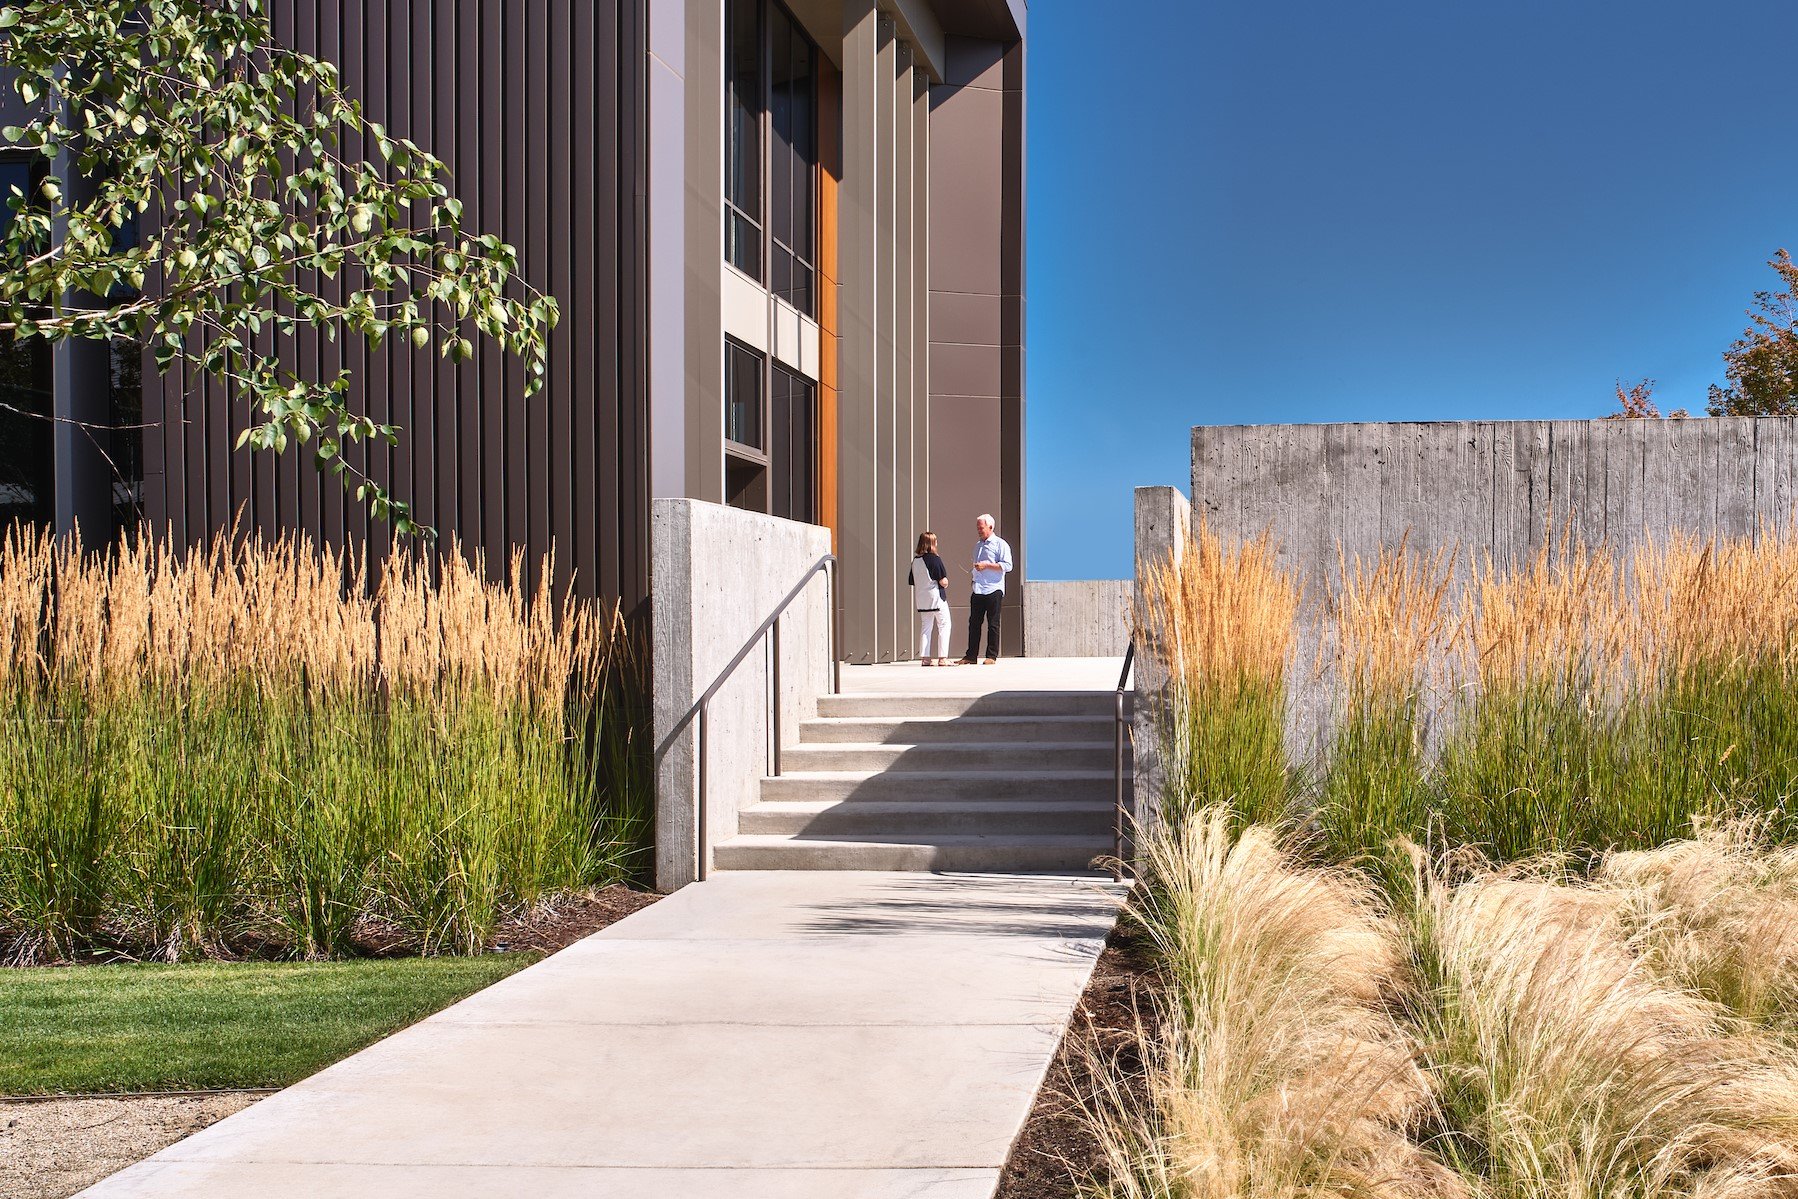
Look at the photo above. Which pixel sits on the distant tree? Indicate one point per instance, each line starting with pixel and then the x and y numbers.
pixel 1763 365
pixel 1637 402
pixel 216 211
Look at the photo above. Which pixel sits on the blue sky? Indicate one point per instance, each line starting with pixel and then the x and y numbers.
pixel 1243 212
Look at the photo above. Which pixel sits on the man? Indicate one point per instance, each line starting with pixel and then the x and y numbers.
pixel 992 562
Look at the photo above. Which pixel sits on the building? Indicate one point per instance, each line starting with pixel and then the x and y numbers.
pixel 787 241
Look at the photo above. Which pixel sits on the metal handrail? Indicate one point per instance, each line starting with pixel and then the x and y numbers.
pixel 1117 828
pixel 825 565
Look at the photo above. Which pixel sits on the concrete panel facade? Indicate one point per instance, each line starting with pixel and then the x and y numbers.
pixel 1085 618
pixel 1491 487
pixel 976 309
pixel 706 605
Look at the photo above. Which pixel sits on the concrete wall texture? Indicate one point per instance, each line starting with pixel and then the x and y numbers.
pixel 719 572
pixel 1086 618
pixel 1163 528
pixel 1497 486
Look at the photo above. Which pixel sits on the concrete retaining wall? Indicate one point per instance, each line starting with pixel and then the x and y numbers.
pixel 718 572
pixel 1163 527
pixel 1491 486
pixel 1086 618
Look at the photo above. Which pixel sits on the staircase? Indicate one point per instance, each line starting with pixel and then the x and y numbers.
pixel 1008 781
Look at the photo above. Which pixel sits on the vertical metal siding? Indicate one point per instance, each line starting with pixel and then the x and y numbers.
pixel 536 106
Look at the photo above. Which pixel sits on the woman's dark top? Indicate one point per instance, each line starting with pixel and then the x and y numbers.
pixel 938 572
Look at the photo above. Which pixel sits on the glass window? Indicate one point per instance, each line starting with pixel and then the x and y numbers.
pixel 792 160
pixel 742 395
pixel 743 103
pixel 794 438
pixel 27 484
pixel 126 452
pixel 771 119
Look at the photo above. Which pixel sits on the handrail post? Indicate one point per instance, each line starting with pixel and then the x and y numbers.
pixel 1117 832
pixel 836 659
pixel 774 714
pixel 1117 829
pixel 700 829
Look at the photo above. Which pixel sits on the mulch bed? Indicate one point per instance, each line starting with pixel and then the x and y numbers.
pixel 552 925
pixel 567 920
pixel 1055 1146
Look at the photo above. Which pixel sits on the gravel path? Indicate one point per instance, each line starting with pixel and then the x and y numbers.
pixel 52 1149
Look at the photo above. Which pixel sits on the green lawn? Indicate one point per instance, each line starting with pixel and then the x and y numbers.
pixel 238 1024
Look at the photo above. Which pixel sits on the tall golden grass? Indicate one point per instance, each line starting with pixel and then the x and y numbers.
pixel 1393 630
pixel 1221 619
pixel 255 746
pixel 1576 702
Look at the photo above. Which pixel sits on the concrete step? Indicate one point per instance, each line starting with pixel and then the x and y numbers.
pixel 997 703
pixel 972 853
pixel 925 821
pixel 930 730
pixel 929 786
pixel 947 757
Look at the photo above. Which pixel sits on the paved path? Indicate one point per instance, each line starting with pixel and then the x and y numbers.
pixel 758 1036
pixel 1007 674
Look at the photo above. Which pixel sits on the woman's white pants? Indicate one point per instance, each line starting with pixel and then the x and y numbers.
pixel 935 623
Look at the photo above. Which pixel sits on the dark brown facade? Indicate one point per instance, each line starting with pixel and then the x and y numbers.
pixel 538 109
pixel 595 138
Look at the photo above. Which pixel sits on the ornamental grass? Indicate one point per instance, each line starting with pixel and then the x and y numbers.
pixel 1576 702
pixel 1494 1033
pixel 1222 619
pixel 256 747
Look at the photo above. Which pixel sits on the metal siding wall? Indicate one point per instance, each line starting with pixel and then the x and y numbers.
pixel 976 352
pixel 857 255
pixel 903 536
pixel 536 107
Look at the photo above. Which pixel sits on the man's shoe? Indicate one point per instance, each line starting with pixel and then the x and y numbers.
pixel 990 662
pixel 967 662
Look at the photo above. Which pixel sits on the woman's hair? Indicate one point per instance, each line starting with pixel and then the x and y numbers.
pixel 926 543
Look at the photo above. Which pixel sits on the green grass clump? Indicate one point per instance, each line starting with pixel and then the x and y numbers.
pixel 89 1029
pixel 254 751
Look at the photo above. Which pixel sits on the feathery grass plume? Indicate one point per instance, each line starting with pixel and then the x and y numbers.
pixel 1533 762
pixel 1222 618
pixel 1275 1067
pixel 1392 627
pixel 1568 1069
pixel 1718 915
pixel 254 744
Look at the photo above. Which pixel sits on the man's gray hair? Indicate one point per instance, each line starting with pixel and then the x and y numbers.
pixel 986 517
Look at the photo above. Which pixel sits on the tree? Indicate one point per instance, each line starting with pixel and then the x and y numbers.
pixel 208 195
pixel 1637 402
pixel 1763 364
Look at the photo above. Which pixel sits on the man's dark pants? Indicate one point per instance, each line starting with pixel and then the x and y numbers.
pixel 984 607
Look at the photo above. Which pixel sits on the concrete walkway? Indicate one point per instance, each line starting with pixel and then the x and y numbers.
pixel 1007 674
pixel 759 1036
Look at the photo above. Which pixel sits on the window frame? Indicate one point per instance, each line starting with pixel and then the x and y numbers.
pixel 762 221
pixel 733 448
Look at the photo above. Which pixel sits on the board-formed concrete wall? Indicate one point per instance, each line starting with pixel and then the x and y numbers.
pixel 718 573
pixel 1163 521
pixel 1084 618
pixel 1491 486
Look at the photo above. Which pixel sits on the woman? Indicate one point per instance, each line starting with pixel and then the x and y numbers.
pixel 930 596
